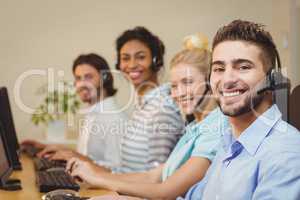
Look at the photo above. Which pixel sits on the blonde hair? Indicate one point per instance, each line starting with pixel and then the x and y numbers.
pixel 194 57
pixel 197 54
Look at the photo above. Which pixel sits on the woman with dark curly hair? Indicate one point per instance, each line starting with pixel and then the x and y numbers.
pixel 156 125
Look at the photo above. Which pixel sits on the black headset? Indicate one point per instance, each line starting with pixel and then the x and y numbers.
pixel 156 63
pixel 191 117
pixel 274 78
pixel 207 88
pixel 107 77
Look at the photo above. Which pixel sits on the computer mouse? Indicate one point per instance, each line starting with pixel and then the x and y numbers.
pixel 61 195
pixel 64 197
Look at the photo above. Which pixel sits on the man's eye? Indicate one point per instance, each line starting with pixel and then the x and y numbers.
pixel 244 67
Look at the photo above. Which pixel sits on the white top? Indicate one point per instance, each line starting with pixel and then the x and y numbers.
pixel 100 133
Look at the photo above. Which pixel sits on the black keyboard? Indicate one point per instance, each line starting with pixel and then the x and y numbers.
pixel 42 164
pixel 53 180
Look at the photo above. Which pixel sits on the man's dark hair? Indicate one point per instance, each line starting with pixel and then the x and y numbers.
pixel 143 35
pixel 250 32
pixel 101 65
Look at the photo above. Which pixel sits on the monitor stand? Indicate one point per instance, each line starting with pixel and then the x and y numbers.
pixel 12 185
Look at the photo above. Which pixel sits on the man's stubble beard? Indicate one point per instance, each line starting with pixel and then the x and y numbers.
pixel 250 104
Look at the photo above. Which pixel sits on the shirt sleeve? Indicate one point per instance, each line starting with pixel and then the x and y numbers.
pixel 207 145
pixel 208 141
pixel 280 178
pixel 168 127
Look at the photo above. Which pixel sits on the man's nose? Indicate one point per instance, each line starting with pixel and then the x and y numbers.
pixel 229 78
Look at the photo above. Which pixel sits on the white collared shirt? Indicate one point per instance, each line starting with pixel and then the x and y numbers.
pixel 101 132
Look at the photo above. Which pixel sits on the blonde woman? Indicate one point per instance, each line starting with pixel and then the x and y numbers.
pixel 194 152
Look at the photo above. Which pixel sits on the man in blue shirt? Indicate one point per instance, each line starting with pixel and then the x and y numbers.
pixel 260 154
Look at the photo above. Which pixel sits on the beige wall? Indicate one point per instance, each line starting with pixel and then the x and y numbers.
pixel 294 70
pixel 39 34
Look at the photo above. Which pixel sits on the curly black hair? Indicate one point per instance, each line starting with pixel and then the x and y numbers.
pixel 143 35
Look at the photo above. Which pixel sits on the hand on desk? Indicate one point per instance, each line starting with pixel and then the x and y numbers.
pixel 58 152
pixel 49 150
pixel 33 143
pixel 87 171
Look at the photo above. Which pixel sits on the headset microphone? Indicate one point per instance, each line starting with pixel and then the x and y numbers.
pixel 276 82
pixel 203 96
pixel 191 117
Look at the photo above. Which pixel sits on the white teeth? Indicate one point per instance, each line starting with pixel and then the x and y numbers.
pixel 231 94
pixel 134 74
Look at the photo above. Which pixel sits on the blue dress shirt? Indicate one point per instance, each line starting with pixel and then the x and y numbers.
pixel 263 163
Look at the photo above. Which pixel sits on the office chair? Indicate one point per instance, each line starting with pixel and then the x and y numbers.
pixel 294 115
pixel 281 98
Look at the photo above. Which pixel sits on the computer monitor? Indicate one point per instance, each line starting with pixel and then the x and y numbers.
pixel 5 167
pixel 9 129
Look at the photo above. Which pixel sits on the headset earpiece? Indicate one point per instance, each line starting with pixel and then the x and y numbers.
pixel 274 78
pixel 105 77
pixel 154 61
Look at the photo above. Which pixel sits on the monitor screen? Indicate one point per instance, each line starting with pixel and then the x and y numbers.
pixel 5 169
pixel 9 128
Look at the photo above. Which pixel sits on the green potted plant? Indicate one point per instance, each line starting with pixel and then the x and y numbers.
pixel 55 109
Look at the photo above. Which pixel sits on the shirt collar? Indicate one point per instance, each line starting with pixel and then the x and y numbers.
pixel 227 139
pixel 103 105
pixel 253 136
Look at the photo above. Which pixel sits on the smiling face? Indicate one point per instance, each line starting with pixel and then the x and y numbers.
pixel 187 86
pixel 135 61
pixel 237 70
pixel 87 83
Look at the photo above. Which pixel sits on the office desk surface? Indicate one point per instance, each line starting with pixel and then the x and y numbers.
pixel 30 190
